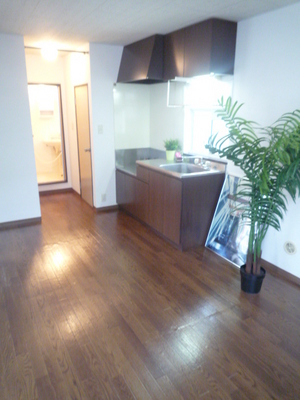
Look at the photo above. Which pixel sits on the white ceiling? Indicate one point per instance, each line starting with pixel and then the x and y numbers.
pixel 73 23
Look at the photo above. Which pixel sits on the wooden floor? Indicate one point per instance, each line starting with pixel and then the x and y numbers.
pixel 96 306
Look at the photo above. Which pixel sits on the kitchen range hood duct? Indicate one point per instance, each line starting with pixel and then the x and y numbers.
pixel 142 61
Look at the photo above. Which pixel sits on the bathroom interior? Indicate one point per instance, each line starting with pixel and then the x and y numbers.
pixel 47 132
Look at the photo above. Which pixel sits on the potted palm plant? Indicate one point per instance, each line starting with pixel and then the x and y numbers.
pixel 270 160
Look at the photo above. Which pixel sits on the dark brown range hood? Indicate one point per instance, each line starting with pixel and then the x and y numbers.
pixel 207 47
pixel 142 61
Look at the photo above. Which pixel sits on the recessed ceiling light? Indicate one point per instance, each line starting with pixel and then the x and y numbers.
pixel 49 52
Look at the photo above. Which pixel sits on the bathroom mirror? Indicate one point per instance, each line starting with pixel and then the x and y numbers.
pixel 47 131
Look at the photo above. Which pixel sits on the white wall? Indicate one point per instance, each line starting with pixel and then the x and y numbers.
pixel 131 115
pixel 19 198
pixel 142 118
pixel 165 122
pixel 267 80
pixel 104 67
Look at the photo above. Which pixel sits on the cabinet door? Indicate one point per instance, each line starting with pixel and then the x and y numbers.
pixel 172 209
pixel 173 54
pixel 223 46
pixel 209 47
pixel 141 200
pixel 120 188
pixel 198 49
pixel 130 194
pixel 125 188
pixel 142 173
pixel 200 198
pixel 156 200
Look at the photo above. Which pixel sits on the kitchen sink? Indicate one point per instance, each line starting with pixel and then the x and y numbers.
pixel 183 168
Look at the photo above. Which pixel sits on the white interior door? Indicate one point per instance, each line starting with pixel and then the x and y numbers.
pixel 84 143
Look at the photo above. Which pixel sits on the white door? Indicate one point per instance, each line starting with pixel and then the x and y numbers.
pixel 84 143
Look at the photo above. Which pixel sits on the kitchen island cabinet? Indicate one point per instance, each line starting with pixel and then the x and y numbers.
pixel 178 209
pixel 165 205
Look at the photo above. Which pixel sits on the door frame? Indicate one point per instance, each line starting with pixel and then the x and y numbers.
pixel 92 176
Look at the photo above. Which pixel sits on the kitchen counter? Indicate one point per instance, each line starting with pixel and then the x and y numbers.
pixel 155 165
pixel 179 206
pixel 129 169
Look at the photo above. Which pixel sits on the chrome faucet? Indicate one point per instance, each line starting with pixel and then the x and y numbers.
pixel 202 163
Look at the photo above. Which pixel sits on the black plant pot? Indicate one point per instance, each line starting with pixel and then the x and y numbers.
pixel 251 283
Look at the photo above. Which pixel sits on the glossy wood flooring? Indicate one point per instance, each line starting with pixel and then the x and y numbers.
pixel 96 306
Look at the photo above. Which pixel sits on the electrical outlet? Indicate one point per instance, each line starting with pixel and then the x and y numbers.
pixel 290 248
pixel 103 197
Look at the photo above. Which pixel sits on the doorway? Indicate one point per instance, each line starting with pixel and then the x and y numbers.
pixel 84 143
pixel 47 131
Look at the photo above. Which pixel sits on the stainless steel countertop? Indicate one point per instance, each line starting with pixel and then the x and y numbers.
pixel 129 169
pixel 155 164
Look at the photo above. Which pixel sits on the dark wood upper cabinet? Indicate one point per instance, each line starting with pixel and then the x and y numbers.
pixel 197 49
pixel 203 48
pixel 142 61
pixel 223 46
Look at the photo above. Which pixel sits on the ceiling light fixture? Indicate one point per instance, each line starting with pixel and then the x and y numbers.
pixel 49 52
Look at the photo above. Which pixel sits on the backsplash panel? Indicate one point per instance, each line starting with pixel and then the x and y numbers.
pixel 127 157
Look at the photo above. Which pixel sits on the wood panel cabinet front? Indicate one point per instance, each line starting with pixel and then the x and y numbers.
pixel 198 42
pixel 210 48
pixel 200 198
pixel 165 205
pixel 181 210
pixel 203 48
pixel 172 209
pixel 142 173
pixel 156 200
pixel 132 195
pixel 120 188
pixel 142 200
